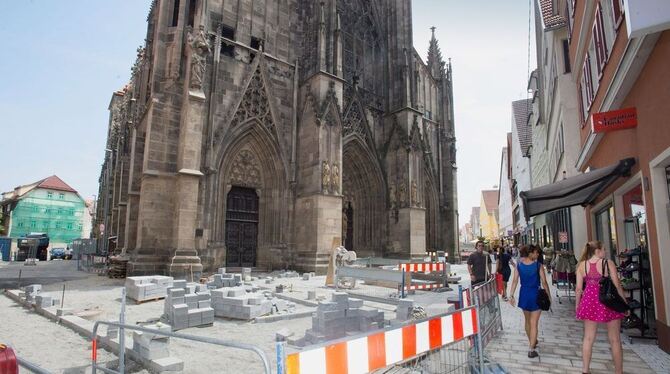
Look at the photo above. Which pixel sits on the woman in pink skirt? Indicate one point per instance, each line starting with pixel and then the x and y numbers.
pixel 591 310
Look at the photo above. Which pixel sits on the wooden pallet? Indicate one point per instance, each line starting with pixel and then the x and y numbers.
pixel 138 302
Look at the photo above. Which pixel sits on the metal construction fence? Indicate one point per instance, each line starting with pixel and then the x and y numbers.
pixel 486 296
pixel 439 344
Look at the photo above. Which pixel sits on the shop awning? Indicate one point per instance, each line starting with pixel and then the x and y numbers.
pixel 578 190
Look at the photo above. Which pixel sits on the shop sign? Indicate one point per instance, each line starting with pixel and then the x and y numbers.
pixel 563 237
pixel 614 120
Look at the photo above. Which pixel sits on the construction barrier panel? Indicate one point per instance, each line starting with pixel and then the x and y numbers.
pixel 486 296
pixel 423 267
pixel 380 349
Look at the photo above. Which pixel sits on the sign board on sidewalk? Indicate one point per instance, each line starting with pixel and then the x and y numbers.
pixel 614 120
pixel 563 237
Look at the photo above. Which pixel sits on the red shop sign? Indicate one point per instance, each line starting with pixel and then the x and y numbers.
pixel 614 120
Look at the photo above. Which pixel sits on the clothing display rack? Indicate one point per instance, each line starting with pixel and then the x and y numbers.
pixel 634 272
pixel 563 275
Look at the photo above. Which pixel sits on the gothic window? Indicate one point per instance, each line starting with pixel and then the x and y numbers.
pixel 227 48
pixel 175 14
pixel 360 43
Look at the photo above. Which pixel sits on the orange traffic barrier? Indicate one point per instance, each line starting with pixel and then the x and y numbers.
pixel 424 267
pixel 384 348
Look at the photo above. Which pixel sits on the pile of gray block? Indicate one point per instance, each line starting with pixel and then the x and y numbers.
pixel 153 347
pixel 223 279
pixel 341 316
pixel 404 310
pixel 237 303
pixel 33 295
pixel 188 305
pixel 148 287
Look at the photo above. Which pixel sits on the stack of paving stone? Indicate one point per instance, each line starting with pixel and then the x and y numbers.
pixel 237 303
pixel 149 287
pixel 341 316
pixel 154 348
pixel 287 274
pixel 223 279
pixel 32 291
pixel 188 305
pixel 404 310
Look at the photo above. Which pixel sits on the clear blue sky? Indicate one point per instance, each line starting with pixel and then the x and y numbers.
pixel 61 61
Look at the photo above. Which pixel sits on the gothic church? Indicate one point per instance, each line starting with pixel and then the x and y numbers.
pixel 263 133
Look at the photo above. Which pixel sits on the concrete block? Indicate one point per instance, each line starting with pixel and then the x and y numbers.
pixel 204 295
pixel 330 315
pixel 179 283
pixel 256 300
pixel 180 309
pixel 236 292
pixel 283 335
pixel 306 276
pixel 168 364
pixel 311 295
pixel 204 304
pixel 327 305
pixel 63 312
pixel 33 288
pixel 176 292
pixel 355 303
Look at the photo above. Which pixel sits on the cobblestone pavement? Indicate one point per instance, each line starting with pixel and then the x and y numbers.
pixel 560 341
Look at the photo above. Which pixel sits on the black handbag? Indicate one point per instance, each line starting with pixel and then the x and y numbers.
pixel 543 300
pixel 608 294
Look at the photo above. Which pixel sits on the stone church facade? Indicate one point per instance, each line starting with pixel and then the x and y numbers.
pixel 265 132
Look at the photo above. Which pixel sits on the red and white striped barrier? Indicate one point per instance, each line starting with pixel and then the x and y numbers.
pixel 424 267
pixel 381 349
pixel 428 286
pixel 465 296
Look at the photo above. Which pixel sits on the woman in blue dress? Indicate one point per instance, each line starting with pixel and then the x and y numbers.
pixel 531 273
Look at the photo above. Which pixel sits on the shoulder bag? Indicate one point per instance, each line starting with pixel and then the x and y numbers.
pixel 543 300
pixel 608 295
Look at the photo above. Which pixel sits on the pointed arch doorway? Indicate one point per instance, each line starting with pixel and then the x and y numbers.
pixel 364 199
pixel 241 227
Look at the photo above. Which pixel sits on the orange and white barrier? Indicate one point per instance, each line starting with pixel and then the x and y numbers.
pixel 380 349
pixel 427 286
pixel 423 267
pixel 465 296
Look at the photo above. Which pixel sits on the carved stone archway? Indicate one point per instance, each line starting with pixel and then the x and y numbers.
pixel 253 160
pixel 364 190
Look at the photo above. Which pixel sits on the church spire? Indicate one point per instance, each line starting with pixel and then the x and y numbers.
pixel 435 62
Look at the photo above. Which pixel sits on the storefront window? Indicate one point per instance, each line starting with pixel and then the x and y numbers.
pixel 635 221
pixel 606 230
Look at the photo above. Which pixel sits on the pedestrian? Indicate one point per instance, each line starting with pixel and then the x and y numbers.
pixel 479 265
pixel 504 260
pixel 589 308
pixel 531 273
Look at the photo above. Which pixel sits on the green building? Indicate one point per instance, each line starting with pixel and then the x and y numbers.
pixel 47 206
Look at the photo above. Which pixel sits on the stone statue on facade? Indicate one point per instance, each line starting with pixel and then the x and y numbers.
pixel 413 194
pixel 200 48
pixel 335 179
pixel 402 196
pixel 392 196
pixel 325 176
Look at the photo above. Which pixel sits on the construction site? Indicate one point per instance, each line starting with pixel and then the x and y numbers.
pixel 365 315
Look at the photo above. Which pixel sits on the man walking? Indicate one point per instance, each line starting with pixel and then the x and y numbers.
pixel 479 265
